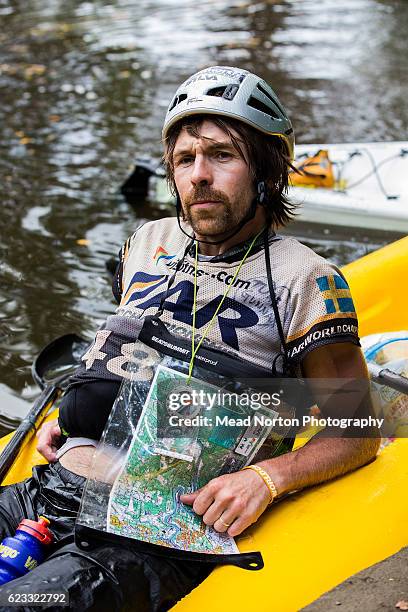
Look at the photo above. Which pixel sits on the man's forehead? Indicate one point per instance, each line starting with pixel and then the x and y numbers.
pixel 208 134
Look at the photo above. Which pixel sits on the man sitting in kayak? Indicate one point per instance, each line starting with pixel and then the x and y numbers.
pixel 257 295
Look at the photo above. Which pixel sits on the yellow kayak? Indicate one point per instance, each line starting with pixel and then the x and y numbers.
pixel 315 539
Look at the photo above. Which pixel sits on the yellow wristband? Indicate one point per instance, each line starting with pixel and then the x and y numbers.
pixel 273 492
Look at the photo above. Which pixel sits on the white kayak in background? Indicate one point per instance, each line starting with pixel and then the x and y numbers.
pixel 370 188
pixel 365 185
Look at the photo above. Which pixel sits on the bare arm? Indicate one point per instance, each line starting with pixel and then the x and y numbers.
pixel 235 501
pixel 331 452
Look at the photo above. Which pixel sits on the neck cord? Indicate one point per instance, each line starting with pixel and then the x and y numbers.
pixel 287 368
pixel 194 349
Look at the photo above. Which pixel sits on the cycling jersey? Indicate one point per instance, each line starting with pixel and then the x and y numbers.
pixel 313 299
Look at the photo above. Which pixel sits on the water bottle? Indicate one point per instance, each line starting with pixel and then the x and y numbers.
pixel 25 550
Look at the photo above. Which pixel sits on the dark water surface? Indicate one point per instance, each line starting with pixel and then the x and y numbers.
pixel 84 88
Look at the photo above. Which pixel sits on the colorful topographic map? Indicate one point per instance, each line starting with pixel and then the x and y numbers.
pixel 144 501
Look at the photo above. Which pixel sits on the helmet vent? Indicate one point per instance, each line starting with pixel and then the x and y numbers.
pixel 218 92
pixel 228 92
pixel 273 100
pixel 177 100
pixel 255 103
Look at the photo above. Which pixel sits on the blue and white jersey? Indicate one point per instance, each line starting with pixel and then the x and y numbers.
pixel 313 299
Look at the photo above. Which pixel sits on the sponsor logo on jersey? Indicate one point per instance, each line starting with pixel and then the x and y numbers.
pixel 322 332
pixel 232 315
pixel 336 294
pixel 161 253
pixel 222 275
pixel 141 284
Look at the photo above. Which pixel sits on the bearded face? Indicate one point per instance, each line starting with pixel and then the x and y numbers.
pixel 213 181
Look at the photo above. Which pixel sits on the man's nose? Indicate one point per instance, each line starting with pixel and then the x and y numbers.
pixel 201 174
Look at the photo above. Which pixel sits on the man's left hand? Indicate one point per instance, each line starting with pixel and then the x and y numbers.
pixel 231 502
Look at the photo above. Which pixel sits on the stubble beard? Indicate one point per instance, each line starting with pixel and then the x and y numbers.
pixel 215 221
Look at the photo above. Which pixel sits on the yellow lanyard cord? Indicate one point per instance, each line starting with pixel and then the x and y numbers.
pixel 194 349
pixel 193 352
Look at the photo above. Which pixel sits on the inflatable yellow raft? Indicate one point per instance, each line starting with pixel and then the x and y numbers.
pixel 315 539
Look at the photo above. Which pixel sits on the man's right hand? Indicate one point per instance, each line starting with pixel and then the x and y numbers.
pixel 48 440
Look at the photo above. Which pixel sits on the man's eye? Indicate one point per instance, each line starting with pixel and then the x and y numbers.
pixel 223 155
pixel 183 161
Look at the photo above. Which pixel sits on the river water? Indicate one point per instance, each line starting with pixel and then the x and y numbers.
pixel 84 88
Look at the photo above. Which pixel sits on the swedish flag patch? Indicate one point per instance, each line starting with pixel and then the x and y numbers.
pixel 336 293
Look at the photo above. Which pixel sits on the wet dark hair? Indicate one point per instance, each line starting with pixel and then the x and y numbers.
pixel 268 161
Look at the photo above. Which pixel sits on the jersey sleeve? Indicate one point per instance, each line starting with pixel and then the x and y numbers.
pixel 323 312
pixel 117 281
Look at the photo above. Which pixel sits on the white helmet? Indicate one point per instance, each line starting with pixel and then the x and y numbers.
pixel 235 93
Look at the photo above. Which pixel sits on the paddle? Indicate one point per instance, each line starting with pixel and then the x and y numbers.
pixel 50 370
pixel 58 360
pixel 387 377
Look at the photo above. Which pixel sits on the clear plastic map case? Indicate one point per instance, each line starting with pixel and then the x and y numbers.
pixel 170 433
